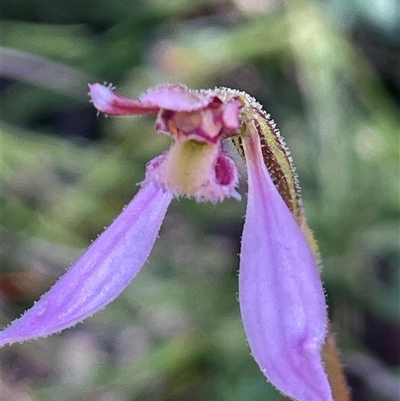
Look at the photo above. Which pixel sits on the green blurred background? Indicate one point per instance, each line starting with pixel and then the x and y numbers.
pixel 327 71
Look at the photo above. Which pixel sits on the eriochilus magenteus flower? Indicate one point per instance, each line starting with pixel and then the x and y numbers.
pixel 281 297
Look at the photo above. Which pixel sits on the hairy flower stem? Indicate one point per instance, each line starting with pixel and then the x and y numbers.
pixel 334 369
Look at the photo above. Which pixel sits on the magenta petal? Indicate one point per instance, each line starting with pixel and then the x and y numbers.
pixel 106 101
pixel 177 98
pixel 280 292
pixel 101 274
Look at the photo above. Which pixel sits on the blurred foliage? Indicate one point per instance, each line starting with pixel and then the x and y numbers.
pixel 327 71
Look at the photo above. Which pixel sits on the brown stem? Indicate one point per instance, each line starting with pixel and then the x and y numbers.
pixel 334 369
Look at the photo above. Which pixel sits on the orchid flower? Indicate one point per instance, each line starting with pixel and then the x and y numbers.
pixel 281 297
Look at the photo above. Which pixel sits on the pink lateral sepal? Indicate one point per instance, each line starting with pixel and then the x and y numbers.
pixel 100 274
pixel 280 292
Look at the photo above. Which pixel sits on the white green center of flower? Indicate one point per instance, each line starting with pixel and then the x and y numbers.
pixel 195 169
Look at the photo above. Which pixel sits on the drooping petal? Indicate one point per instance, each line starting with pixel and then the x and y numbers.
pixel 280 293
pixel 108 102
pixel 102 272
